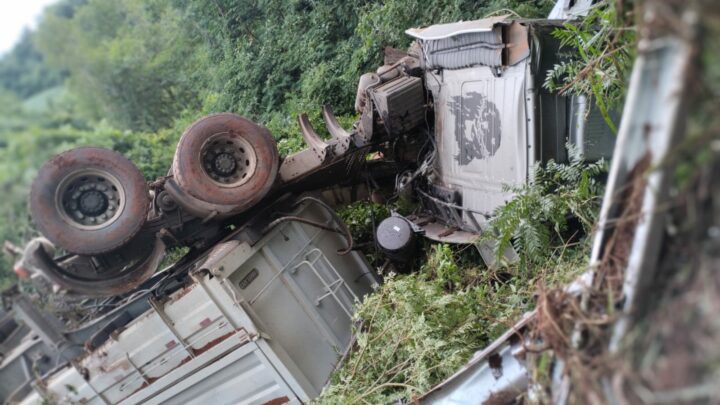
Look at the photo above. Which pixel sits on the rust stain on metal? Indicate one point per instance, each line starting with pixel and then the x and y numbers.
pixel 218 253
pixel 145 384
pixel 51 224
pixel 121 364
pixel 184 361
pixel 277 401
pixel 448 231
pixel 212 343
pixel 124 364
pixel 502 397
pixel 196 352
pixel 176 296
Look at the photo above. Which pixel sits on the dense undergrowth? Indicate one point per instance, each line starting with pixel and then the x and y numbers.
pixel 418 328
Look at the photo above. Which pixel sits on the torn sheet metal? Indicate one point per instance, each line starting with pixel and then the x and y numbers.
pixel 653 125
pixel 442 31
pixel 496 375
pixel 492 42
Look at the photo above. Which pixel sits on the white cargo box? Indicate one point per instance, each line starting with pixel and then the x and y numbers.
pixel 257 324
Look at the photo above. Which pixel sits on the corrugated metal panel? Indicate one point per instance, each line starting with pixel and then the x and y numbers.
pixel 480 48
pixel 244 377
pixel 589 131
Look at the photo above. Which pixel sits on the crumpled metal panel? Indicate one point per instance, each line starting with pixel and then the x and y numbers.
pixel 479 48
pixel 441 31
pixel 481 128
pixel 174 333
pixel 149 346
pixel 489 42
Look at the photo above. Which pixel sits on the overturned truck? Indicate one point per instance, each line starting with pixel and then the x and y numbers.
pixel 259 309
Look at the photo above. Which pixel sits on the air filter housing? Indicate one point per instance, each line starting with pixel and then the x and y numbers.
pixel 396 238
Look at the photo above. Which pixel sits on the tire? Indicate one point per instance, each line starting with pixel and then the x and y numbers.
pixel 226 159
pixel 89 201
pixel 133 264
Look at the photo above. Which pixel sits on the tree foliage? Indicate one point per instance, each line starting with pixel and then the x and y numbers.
pixel 600 53
pixel 278 55
pixel 536 221
pixel 417 329
pixel 130 62
pixel 23 70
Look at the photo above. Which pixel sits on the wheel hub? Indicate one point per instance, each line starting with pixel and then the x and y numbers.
pixel 93 203
pixel 224 164
pixel 228 159
pixel 90 199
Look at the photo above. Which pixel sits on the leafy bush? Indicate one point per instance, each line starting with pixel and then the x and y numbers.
pixel 536 219
pixel 411 333
pixel 359 217
pixel 417 329
pixel 600 54
pixel 130 62
pixel 279 55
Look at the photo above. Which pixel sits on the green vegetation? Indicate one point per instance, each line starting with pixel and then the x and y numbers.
pixel 560 194
pixel 599 52
pixel 23 72
pixel 418 328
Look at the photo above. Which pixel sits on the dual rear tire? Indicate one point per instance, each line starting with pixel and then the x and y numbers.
pixel 90 201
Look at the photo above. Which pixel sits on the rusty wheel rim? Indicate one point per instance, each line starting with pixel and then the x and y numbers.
pixel 90 199
pixel 228 159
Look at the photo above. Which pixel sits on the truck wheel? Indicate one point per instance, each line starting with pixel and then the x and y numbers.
pixel 89 200
pixel 119 271
pixel 226 159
